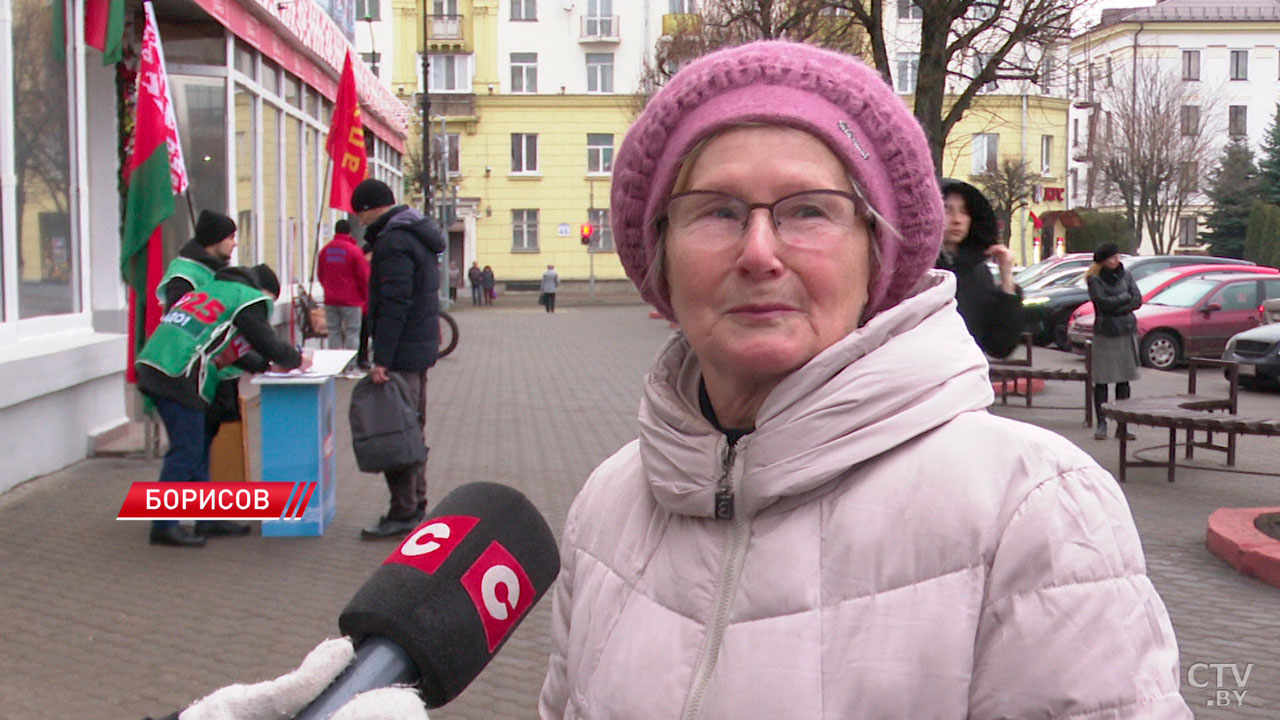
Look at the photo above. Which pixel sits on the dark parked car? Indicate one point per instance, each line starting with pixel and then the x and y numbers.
pixel 1196 317
pixel 1046 313
pixel 1258 350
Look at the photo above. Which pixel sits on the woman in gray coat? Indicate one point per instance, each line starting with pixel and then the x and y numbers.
pixel 1115 296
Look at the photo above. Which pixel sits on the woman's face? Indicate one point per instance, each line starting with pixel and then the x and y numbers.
pixel 754 307
pixel 1112 262
pixel 958 220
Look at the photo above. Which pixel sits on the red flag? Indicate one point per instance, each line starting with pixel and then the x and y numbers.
pixel 1036 222
pixel 346 141
pixel 156 175
pixel 104 28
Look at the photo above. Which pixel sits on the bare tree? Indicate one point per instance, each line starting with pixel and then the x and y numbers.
pixel 1008 187
pixel 1154 149
pixel 964 47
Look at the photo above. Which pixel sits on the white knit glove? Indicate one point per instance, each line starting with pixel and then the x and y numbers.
pixel 288 694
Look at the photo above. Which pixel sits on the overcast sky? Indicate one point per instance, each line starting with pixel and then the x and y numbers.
pixel 1093 9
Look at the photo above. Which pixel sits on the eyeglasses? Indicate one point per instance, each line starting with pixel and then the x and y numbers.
pixel 808 219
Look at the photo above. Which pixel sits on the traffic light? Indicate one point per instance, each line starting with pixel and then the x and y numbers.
pixel 587 232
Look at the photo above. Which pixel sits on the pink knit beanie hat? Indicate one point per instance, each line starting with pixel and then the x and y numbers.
pixel 830 95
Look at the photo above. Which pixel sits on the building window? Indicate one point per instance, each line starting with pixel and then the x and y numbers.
pixel 445 8
pixel 1073 178
pixel 451 141
pixel 1046 72
pixel 985 150
pixel 1190 119
pixel 1239 64
pixel 600 72
pixel 524 229
pixel 683 7
pixel 1108 72
pixel 450 73
pixel 1075 80
pixel 524 10
pixel 1190 179
pixel 980 62
pixel 599 152
pixel 1190 64
pixel 908 72
pixel 983 9
pixel 602 240
pixel 909 10
pixel 524 153
pixel 1238 120
pixel 1046 155
pixel 1075 132
pixel 599 20
pixel 1187 231
pixel 369 10
pixel 524 72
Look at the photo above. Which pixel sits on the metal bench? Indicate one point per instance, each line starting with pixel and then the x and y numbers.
pixel 1009 371
pixel 1190 413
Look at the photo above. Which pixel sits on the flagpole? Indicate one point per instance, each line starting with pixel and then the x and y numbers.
pixel 191 209
pixel 324 198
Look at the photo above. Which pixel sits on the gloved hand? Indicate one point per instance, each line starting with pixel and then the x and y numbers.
pixel 288 694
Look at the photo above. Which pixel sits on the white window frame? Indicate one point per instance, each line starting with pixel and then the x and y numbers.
pixel 907 74
pixel 683 7
pixel 599 155
pixel 524 229
pixel 1238 65
pixel 1189 115
pixel 526 70
pixel 599 74
pixel 980 61
pixel 444 7
pixel 1046 155
pixel 450 70
pixel 371 8
pixel 524 10
pixel 528 146
pixel 909 10
pixel 602 239
pixel 985 152
pixel 1232 112
pixel 1191 65
pixel 1183 223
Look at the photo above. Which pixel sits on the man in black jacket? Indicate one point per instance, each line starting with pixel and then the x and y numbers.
pixel 404 282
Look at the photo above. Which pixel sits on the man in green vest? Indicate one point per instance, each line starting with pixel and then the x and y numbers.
pixel 220 328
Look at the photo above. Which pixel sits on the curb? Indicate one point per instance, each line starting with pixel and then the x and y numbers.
pixel 1233 537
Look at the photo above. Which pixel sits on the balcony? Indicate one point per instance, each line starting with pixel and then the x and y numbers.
pixel 681 24
pixel 451 106
pixel 599 29
pixel 445 27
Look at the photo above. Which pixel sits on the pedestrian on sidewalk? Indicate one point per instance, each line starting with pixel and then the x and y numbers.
pixel 1115 295
pixel 182 363
pixel 343 272
pixel 455 279
pixel 489 283
pixel 404 313
pixel 550 283
pixel 819 516
pixel 475 276
pixel 970 238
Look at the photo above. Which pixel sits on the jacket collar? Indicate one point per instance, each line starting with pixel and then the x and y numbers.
pixel 849 404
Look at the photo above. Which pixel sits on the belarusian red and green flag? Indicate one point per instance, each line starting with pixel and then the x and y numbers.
pixel 156 174
pixel 103 28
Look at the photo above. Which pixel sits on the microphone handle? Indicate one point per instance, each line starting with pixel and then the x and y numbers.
pixel 379 662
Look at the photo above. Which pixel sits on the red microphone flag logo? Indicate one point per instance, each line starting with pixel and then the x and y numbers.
pixel 431 544
pixel 501 591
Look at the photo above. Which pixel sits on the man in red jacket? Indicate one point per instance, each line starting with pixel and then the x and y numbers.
pixel 344 274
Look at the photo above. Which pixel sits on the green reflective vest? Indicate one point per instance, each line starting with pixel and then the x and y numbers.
pixel 194 272
pixel 196 337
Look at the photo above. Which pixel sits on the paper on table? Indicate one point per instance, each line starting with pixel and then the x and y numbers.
pixel 323 364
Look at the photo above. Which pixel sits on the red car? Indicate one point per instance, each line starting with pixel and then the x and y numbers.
pixel 1157 281
pixel 1196 317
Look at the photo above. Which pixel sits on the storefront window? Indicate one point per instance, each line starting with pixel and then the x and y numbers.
pixel 244 59
pixel 292 90
pixel 48 255
pixel 246 134
pixel 201 108
pixel 271 254
pixel 270 77
pixel 293 193
pixel 196 43
pixel 313 199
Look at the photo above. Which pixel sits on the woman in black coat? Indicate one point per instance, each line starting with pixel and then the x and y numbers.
pixel 993 313
pixel 1115 296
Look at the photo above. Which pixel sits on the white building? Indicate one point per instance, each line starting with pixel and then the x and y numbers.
pixel 1226 54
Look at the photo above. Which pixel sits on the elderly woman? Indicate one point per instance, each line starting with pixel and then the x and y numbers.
pixel 819 518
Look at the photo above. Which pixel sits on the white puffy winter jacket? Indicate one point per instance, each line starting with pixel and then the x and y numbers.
pixel 894 552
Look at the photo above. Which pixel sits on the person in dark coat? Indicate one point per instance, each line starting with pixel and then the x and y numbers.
pixel 404 309
pixel 1115 295
pixel 476 277
pixel 993 313
pixel 488 282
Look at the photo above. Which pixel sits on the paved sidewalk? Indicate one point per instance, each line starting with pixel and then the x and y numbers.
pixel 97 623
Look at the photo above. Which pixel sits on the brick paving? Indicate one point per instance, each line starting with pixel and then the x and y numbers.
pixel 97 623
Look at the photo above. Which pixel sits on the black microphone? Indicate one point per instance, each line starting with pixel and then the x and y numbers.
pixel 446 600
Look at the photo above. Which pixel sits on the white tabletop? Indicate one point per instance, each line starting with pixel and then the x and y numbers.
pixel 324 365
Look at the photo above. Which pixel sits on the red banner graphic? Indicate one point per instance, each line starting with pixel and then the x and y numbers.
pixel 216 501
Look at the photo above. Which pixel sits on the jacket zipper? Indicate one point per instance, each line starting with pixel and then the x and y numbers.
pixel 735 557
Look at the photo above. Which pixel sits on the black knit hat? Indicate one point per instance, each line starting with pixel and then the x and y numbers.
pixel 370 194
pixel 266 279
pixel 342 226
pixel 1105 251
pixel 212 228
